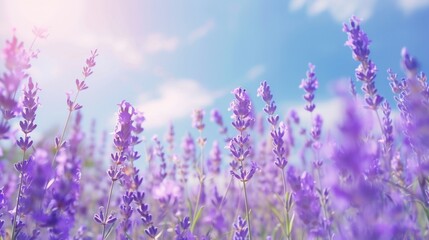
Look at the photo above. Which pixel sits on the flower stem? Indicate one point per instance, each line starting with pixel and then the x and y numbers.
pixel 17 206
pixel 246 204
pixel 107 208
pixel 64 130
pixel 285 207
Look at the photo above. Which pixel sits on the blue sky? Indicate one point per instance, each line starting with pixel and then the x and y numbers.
pixel 170 57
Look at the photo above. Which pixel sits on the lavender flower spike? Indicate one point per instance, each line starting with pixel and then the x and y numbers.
pixel 310 84
pixel 270 106
pixel 241 229
pixel 217 118
pixel 29 103
pixel 197 119
pixel 239 145
pixel 366 71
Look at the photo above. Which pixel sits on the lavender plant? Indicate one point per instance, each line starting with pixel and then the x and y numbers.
pixel 362 183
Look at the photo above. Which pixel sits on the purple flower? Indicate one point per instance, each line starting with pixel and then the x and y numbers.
pixel 170 137
pixel 307 203
pixel 366 71
pixel 217 118
pixel 357 40
pixel 387 126
pixel 409 63
pixel 310 85
pixel 151 232
pixel 241 108
pixel 197 119
pixel 270 106
pixel 279 148
pixel 30 103
pixel 90 63
pixel 182 230
pixel 243 175
pixel 241 229
pixel 17 63
pixel 215 159
pixel 159 151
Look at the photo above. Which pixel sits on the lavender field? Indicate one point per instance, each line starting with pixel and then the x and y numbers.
pixel 263 173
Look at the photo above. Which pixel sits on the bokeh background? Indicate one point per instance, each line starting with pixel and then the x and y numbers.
pixel 170 57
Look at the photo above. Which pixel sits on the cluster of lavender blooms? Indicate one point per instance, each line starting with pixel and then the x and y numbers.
pixel 363 181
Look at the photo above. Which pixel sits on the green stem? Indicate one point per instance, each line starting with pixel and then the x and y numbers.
pixel 246 204
pixel 16 208
pixel 226 193
pixel 107 209
pixel 64 129
pixel 285 207
pixel 18 197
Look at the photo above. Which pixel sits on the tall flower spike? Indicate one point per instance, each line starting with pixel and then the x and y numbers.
pixel 239 145
pixel 310 84
pixel 270 106
pixel 366 71
pixel 122 140
pixel 17 62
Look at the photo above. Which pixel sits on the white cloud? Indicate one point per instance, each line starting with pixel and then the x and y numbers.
pixel 157 42
pixel 174 99
pixel 409 6
pixel 255 72
pixel 201 31
pixel 340 10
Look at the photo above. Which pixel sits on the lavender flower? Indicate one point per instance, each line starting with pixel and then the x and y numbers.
pixel 270 106
pixel 30 103
pixel 182 230
pixel 2 203
pixel 239 147
pixel 387 126
pixel 310 84
pixel 216 117
pixel 279 148
pixel 366 71
pixel 197 119
pixel 122 140
pixel 17 63
pixel 170 137
pixel 72 104
pixel 241 229
pixel 159 151
pixel 409 63
pixel 215 159
pixel 307 204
